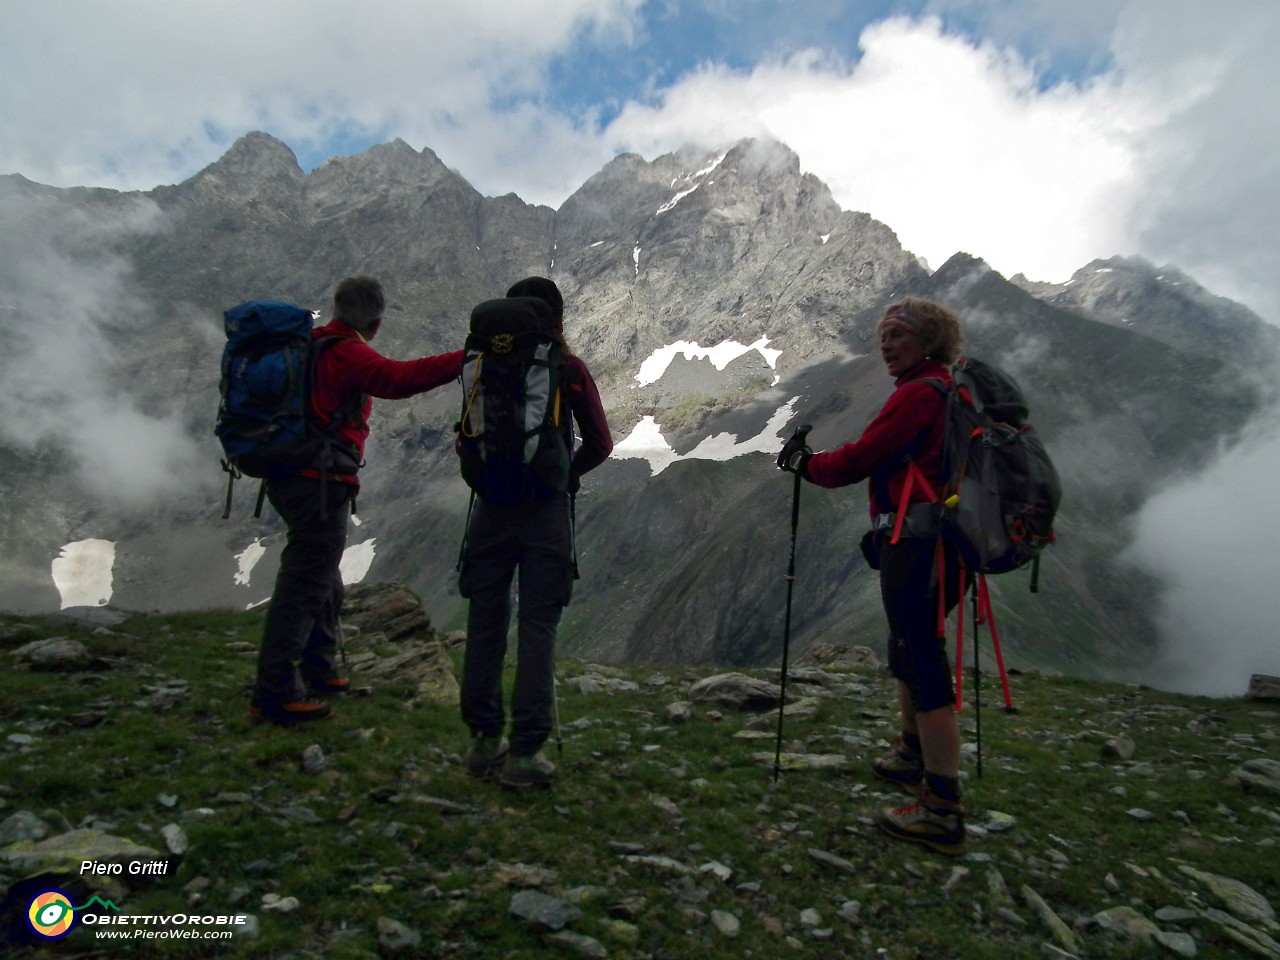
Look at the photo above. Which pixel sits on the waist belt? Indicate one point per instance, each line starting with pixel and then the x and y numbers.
pixel 921 521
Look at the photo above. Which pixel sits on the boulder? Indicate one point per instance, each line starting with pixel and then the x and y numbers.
pixel 736 690
pixel 1260 774
pixel 425 664
pixel 389 609
pixel 65 852
pixel 91 617
pixel 1263 687
pixel 55 654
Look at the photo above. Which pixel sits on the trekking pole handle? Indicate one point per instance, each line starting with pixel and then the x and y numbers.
pixel 800 434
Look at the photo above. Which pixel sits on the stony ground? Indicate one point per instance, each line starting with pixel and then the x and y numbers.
pixel 1107 821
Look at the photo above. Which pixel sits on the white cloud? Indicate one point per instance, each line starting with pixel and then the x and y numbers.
pixel 1166 150
pixel 1210 539
pixel 59 363
pixel 135 92
pixel 947 143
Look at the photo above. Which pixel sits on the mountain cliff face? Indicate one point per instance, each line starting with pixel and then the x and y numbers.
pixel 683 535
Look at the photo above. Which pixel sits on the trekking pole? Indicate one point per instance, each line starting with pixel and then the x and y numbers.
pixel 800 434
pixel 555 716
pixel 466 529
pixel 985 595
pixel 977 672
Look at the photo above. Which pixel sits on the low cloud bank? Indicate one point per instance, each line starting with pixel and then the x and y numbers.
pixel 62 290
pixel 1211 541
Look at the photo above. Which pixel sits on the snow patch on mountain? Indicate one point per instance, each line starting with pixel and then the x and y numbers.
pixel 670 204
pixel 646 442
pixel 721 355
pixel 695 178
pixel 247 560
pixel 83 573
pixel 356 560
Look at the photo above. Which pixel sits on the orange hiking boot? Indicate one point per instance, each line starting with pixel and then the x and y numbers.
pixel 295 711
pixel 930 821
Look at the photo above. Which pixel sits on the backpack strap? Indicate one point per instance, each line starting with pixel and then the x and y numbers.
pixel 351 408
pixel 464 425
pixel 914 475
pixel 329 433
pixel 233 474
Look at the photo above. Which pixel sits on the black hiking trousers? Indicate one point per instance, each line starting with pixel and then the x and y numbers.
pixel 300 636
pixel 909 592
pixel 536 539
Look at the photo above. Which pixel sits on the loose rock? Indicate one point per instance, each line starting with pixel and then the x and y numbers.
pixel 726 923
pixel 543 912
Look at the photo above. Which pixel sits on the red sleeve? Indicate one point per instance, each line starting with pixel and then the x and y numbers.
pixel 358 368
pixel 588 413
pixel 911 409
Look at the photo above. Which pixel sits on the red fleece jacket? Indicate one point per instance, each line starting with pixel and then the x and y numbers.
pixel 910 423
pixel 588 413
pixel 351 366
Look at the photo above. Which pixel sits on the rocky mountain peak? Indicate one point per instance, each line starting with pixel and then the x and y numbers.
pixel 385 164
pixel 254 162
pixel 1162 303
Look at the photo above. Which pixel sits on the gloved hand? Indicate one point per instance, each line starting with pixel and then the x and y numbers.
pixel 795 455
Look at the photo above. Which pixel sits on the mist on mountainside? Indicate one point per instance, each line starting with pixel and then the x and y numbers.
pixel 1210 538
pixel 68 301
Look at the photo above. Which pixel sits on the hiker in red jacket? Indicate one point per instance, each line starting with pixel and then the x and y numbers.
pixel 918 342
pixel 299 639
pixel 537 538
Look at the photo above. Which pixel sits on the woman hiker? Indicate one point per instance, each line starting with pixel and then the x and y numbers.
pixel 918 341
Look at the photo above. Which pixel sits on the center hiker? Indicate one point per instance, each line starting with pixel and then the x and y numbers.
pixel 299 638
pixel 523 390
pixel 918 341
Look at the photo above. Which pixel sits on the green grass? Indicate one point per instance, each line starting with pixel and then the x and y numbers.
pixel 382 845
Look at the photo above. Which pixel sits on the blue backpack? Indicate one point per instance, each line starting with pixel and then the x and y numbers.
pixel 268 366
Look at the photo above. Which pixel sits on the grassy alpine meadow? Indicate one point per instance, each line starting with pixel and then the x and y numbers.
pixel 666 835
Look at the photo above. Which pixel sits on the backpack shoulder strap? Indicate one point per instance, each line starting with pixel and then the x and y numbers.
pixel 352 407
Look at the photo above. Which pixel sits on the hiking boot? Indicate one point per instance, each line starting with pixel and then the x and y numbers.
pixel 287 714
pixel 485 755
pixel 521 773
pixel 901 767
pixel 330 685
pixel 930 821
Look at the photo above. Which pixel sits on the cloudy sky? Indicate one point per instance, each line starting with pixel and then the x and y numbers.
pixel 1036 134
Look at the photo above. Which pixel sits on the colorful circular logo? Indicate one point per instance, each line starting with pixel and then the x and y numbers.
pixel 51 914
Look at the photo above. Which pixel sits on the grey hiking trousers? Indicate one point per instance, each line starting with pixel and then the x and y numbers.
pixel 536 539
pixel 300 635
